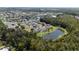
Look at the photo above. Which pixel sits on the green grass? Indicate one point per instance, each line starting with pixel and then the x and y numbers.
pixel 64 30
pixel 51 29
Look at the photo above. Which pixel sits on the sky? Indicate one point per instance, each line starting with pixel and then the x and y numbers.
pixel 39 3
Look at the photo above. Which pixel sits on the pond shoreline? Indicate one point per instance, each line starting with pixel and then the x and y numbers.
pixel 52 29
pixel 41 34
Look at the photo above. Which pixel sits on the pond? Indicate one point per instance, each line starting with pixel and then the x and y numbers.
pixel 53 35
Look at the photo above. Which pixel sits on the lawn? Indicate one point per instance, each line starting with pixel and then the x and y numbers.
pixel 51 29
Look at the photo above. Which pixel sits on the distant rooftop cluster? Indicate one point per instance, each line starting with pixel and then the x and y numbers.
pixel 29 20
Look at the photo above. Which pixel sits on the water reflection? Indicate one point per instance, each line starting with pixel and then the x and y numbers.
pixel 53 35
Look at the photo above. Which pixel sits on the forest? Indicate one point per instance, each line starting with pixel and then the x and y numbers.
pixel 20 40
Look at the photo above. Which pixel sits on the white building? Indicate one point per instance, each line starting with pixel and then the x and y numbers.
pixel 11 24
